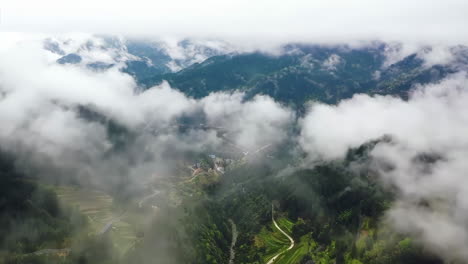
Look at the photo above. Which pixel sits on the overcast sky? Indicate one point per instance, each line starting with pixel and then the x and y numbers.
pixel 311 20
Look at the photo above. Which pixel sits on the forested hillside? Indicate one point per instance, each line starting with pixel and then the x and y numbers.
pixel 302 73
pixel 334 213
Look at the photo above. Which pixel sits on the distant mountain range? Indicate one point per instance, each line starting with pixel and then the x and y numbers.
pixel 301 73
pixel 140 58
pixel 305 72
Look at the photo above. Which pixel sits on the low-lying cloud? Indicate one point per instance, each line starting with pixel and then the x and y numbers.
pixel 41 112
pixel 427 155
pixel 45 108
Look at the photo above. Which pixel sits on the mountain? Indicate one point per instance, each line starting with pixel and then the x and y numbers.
pixel 298 74
pixel 306 72
pixel 140 58
pixel 225 204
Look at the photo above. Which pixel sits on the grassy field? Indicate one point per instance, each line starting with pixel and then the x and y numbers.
pixel 98 208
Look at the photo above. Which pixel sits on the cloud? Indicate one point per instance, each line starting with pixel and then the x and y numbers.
pixel 42 104
pixel 254 123
pixel 430 110
pixel 187 52
pixel 427 155
pixel 332 62
pixel 430 55
pixel 298 20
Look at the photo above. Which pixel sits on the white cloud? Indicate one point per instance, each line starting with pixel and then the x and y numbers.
pixel 332 62
pixel 252 21
pixel 40 118
pixel 431 201
pixel 254 123
pixel 429 111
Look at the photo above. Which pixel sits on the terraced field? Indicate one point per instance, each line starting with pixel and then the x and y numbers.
pixel 285 224
pixel 98 208
pixel 271 241
pixel 302 247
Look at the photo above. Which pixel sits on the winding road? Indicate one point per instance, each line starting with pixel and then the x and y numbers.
pixel 50 251
pixel 144 199
pixel 109 224
pixel 284 233
pixel 232 253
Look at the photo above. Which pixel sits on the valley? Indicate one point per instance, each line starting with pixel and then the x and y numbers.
pixel 116 150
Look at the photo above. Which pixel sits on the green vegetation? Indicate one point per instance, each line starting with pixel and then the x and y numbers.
pixel 95 205
pixel 269 242
pixel 285 224
pixel 300 76
pixel 333 211
pixel 100 210
pixel 31 218
pixel 303 247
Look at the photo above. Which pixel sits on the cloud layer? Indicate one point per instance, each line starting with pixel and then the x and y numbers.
pixel 425 158
pixel 42 104
pixel 41 112
pixel 252 21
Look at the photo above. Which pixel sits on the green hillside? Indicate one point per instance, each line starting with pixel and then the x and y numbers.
pixel 304 73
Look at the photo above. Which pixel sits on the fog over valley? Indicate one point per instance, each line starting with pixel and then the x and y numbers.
pixel 234 132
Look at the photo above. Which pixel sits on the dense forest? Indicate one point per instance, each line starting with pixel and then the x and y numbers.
pixel 333 207
pixel 302 74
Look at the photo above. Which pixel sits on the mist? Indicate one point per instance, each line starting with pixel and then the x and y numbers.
pixel 96 127
pixel 61 113
pixel 424 159
pixel 258 23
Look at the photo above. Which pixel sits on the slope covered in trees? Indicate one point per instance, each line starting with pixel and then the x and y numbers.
pixel 303 73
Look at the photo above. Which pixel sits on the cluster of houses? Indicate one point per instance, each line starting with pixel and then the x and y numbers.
pixel 220 164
